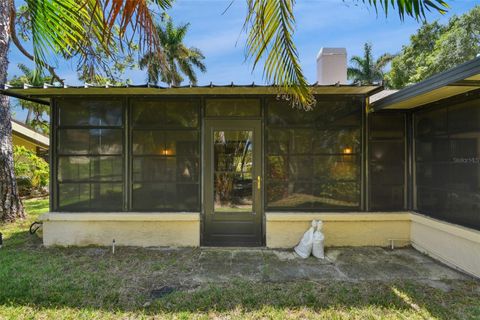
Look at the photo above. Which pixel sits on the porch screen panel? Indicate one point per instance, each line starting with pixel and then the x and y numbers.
pixel 165 155
pixel 313 157
pixel 447 157
pixel 89 155
pixel 387 161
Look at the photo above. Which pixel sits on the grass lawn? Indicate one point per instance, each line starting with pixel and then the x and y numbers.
pixel 86 283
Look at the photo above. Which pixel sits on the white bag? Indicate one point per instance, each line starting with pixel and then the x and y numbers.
pixel 304 248
pixel 318 237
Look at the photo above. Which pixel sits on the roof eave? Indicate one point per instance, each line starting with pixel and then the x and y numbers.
pixel 41 94
pixel 454 77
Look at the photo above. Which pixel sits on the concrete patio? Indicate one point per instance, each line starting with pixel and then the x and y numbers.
pixel 193 267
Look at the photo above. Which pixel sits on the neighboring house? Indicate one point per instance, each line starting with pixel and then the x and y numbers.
pixel 23 135
pixel 237 166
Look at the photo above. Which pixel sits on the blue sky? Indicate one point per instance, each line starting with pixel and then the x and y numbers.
pixel 334 23
pixel 329 23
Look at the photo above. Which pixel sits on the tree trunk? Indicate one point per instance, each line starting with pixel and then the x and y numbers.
pixel 10 205
pixel 29 116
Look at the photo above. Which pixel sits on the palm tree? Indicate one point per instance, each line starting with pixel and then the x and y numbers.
pixel 35 111
pixel 366 70
pixel 67 28
pixel 180 59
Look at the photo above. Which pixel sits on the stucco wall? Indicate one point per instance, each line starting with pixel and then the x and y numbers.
pixel 284 229
pixel 18 141
pixel 451 244
pixel 143 230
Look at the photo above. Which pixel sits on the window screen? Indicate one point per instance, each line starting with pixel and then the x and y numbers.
pixel 90 162
pixel 447 158
pixel 313 157
pixel 165 155
pixel 233 108
pixel 387 161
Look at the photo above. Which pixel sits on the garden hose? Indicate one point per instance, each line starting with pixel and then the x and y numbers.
pixel 35 226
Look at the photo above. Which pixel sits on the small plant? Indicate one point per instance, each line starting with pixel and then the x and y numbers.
pixel 32 172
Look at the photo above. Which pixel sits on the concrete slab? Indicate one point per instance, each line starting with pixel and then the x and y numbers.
pixel 187 267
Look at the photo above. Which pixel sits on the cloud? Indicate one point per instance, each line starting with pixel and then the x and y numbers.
pixel 219 43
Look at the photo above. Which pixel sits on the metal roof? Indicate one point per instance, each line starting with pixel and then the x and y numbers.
pixel 458 80
pixel 381 95
pixel 43 94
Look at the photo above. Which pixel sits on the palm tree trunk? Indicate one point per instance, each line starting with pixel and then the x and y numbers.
pixel 29 116
pixel 10 205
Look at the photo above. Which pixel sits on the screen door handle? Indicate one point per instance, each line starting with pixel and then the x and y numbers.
pixel 259 183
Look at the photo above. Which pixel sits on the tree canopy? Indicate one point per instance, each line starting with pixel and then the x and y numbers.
pixel 436 48
pixel 367 70
pixel 180 58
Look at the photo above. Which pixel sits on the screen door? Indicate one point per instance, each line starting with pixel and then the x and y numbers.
pixel 233 183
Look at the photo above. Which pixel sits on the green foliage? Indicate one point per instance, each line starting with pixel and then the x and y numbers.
pixel 38 114
pixel 100 67
pixel 180 59
pixel 436 48
pixel 366 70
pixel 31 171
pixel 91 30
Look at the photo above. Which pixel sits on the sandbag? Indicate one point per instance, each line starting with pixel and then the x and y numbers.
pixel 304 248
pixel 318 239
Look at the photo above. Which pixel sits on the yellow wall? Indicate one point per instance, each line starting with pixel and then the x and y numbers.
pixel 18 141
pixel 454 245
pixel 284 230
pixel 142 230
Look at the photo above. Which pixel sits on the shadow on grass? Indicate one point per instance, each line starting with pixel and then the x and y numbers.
pixel 76 280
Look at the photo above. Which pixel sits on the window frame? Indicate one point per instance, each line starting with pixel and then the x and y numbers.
pixel 357 101
pixel 403 140
pixel 445 213
pixel 56 155
pixel 161 127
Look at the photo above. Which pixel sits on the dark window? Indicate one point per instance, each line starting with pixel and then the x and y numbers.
pixel 387 161
pixel 447 162
pixel 178 113
pixel 233 107
pixel 90 166
pixel 77 112
pixel 90 141
pixel 313 157
pixel 166 156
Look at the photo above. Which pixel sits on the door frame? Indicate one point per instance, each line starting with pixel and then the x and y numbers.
pixel 208 127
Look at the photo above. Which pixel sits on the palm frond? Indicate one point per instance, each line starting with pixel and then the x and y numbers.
pixel 73 27
pixel 354 73
pixel 134 14
pixel 359 62
pixel 187 69
pixel 56 25
pixel 383 60
pixel 27 72
pixel 197 57
pixel 271 25
pixel 413 8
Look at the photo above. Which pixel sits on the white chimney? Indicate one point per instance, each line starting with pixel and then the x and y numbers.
pixel 332 66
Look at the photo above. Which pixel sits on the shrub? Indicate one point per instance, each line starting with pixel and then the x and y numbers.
pixel 31 171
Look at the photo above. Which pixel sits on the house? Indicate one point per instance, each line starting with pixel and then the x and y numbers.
pixel 23 135
pixel 237 166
